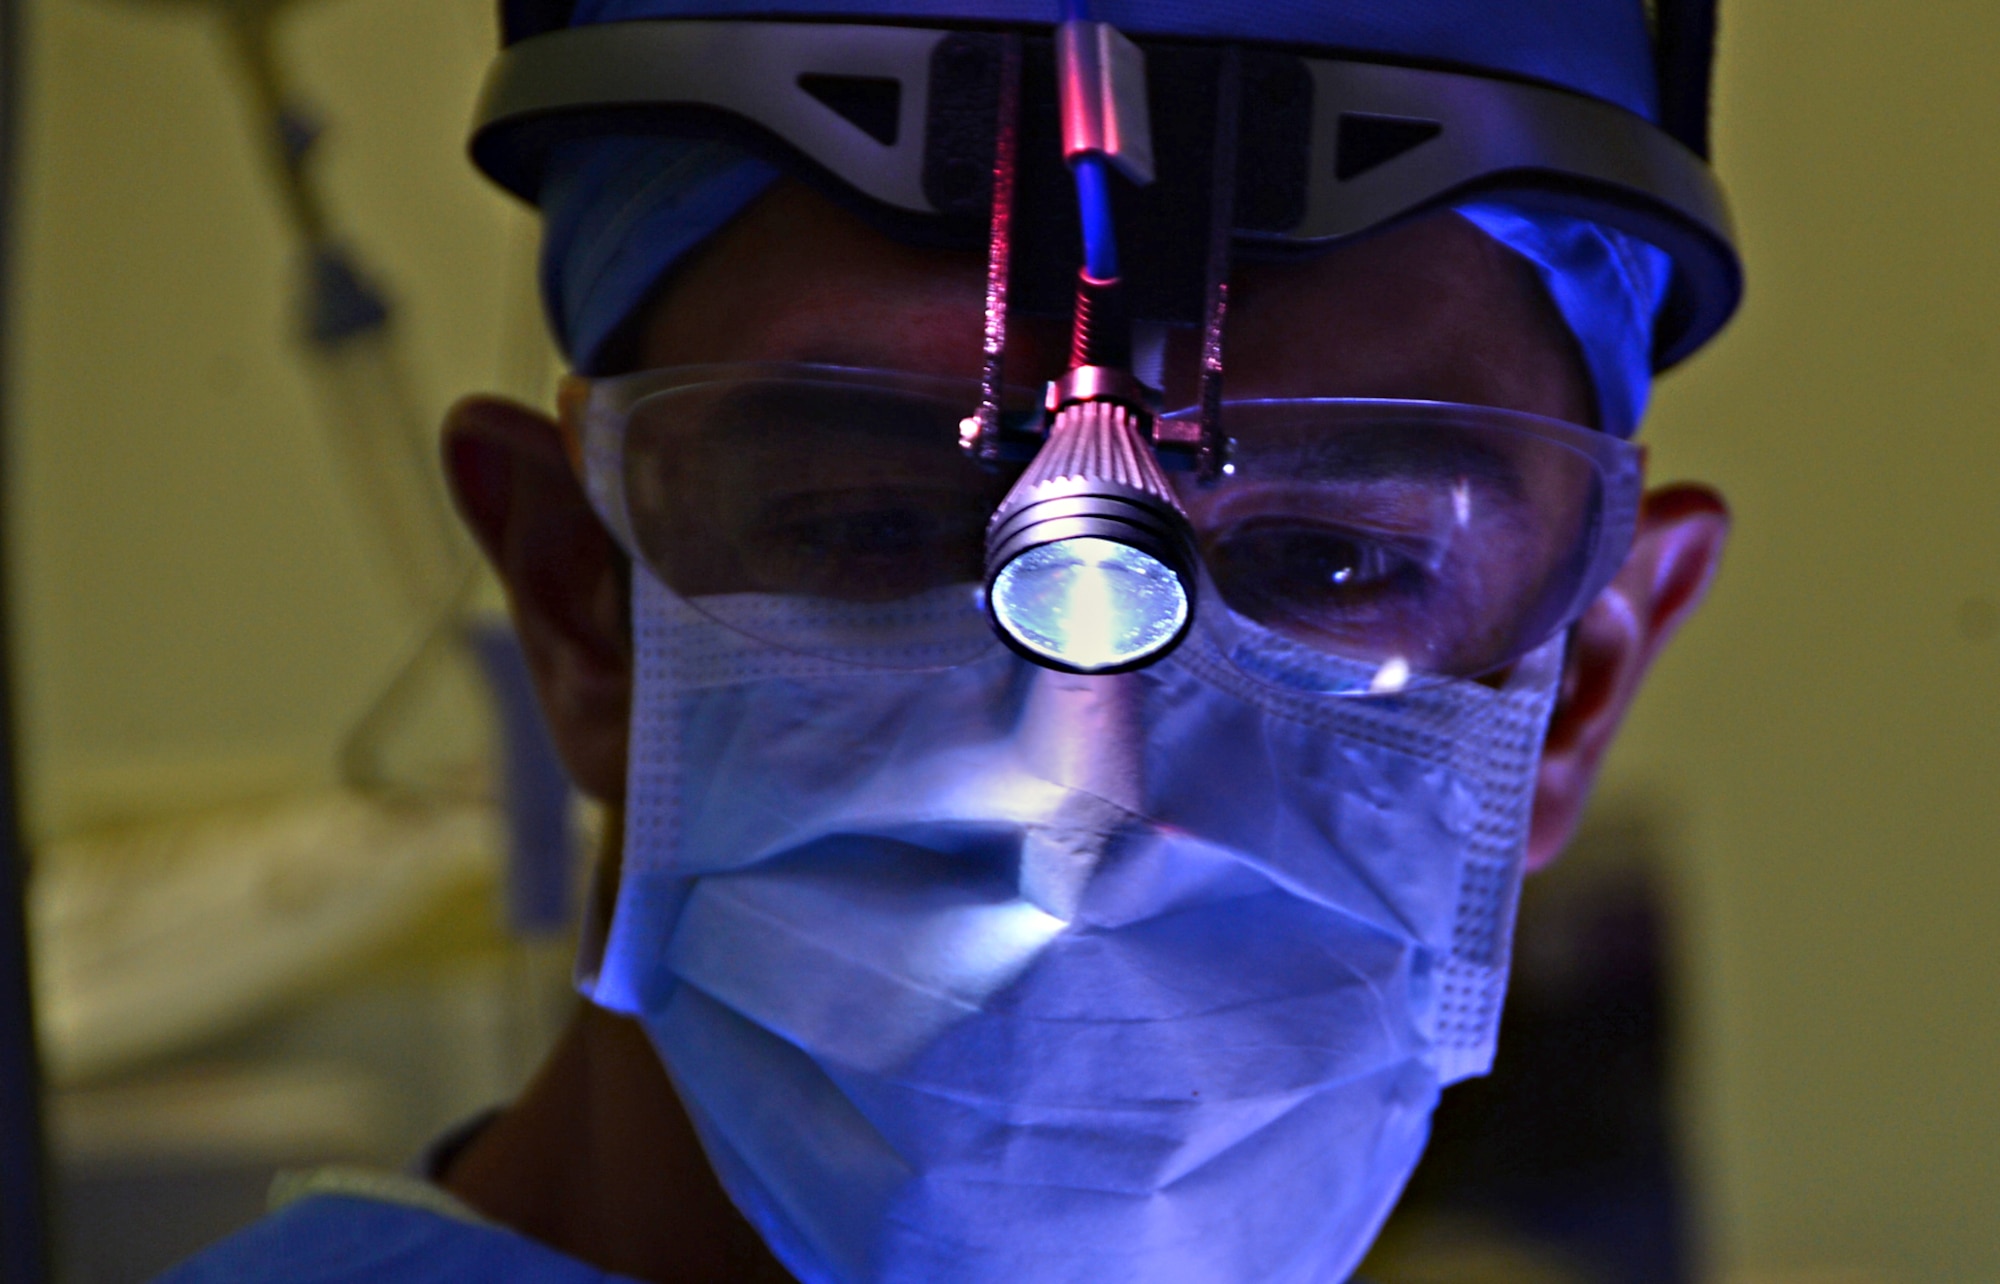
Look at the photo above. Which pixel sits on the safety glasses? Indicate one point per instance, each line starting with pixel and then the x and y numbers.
pixel 1358 546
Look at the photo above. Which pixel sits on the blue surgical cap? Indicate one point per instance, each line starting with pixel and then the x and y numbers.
pixel 621 211
pixel 617 213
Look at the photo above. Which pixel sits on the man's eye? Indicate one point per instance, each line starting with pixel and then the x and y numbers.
pixel 868 546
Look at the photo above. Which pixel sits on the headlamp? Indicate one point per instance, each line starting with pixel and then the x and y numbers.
pixel 1089 558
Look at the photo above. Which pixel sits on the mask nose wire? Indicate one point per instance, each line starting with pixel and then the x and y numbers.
pixel 1082 732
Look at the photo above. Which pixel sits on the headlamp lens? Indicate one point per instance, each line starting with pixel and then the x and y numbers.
pixel 1089 604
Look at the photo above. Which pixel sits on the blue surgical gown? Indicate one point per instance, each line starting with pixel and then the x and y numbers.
pixel 348 1238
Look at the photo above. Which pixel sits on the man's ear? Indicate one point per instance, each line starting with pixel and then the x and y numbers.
pixel 514 485
pixel 1675 552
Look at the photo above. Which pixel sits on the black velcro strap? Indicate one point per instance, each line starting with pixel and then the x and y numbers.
pixel 1684 56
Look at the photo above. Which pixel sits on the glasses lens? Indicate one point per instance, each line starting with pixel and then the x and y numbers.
pixel 1089 604
pixel 815 509
pixel 1422 541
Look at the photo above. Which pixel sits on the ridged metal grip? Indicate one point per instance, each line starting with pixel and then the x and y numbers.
pixel 1098 440
pixel 1096 475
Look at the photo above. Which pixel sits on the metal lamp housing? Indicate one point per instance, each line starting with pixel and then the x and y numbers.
pixel 1095 484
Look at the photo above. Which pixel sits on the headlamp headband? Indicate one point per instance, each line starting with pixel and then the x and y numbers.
pixel 1331 148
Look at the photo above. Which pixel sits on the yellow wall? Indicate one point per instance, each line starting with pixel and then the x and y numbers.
pixel 1831 728
pixel 201 613
pixel 197 612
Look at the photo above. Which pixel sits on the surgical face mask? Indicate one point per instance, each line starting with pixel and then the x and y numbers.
pixel 991 973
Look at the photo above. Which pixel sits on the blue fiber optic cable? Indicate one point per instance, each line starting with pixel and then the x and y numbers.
pixel 1093 191
pixel 1093 198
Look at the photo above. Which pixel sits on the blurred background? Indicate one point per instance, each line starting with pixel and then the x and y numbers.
pixel 279 918
pixel 266 705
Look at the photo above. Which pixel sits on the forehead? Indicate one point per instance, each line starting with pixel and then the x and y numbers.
pixel 1430 310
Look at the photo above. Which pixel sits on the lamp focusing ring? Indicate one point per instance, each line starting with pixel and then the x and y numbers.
pixel 1089 558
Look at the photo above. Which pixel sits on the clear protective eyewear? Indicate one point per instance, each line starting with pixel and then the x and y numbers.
pixel 1356 546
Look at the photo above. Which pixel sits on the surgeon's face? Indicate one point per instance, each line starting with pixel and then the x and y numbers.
pixel 1433 310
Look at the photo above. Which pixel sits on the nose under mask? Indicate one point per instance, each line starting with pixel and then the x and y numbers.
pixel 996 974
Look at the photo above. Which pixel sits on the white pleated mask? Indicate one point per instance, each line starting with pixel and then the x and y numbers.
pixel 997 974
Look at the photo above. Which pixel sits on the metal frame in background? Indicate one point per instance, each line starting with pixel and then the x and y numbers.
pixel 24 1199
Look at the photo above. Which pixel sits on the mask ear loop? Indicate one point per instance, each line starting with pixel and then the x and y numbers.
pixel 1006 134
pixel 1213 459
